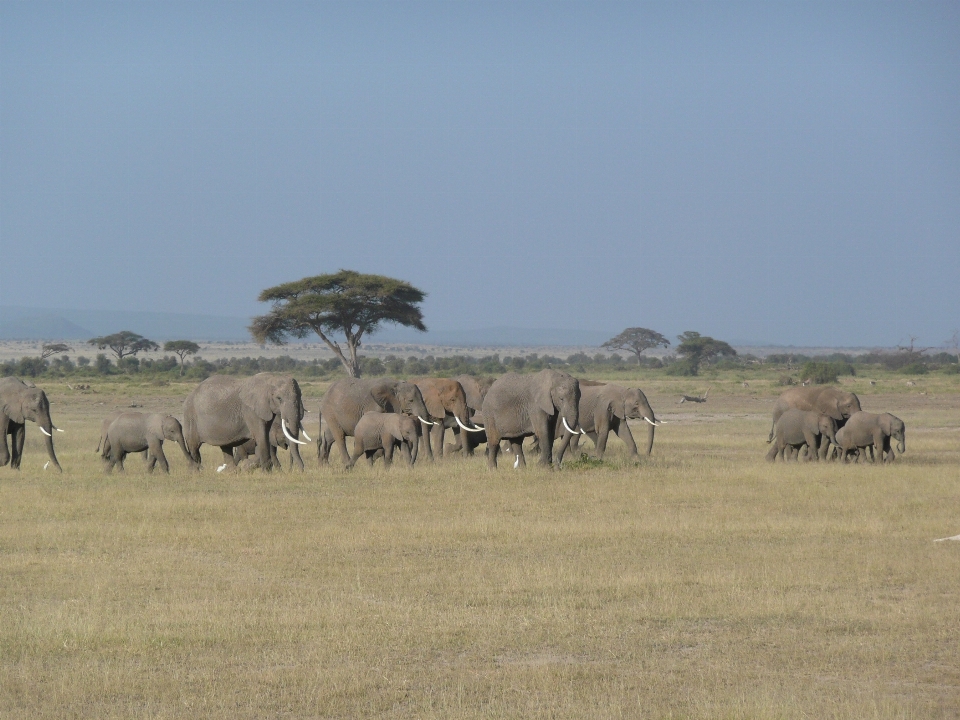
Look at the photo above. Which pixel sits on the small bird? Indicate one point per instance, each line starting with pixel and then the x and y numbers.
pixel 46 465
pixel 516 463
pixel 222 468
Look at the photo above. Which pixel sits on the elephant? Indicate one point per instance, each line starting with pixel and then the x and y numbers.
pixel 378 432
pixel 20 402
pixel 517 406
pixel 134 432
pixel 349 399
pixel 831 401
pixel 242 453
pixel 475 390
pixel 227 412
pixel 105 425
pixel 871 430
pixel 796 428
pixel 446 401
pixel 605 407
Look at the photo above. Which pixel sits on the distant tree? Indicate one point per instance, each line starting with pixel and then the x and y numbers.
pixel 181 348
pixel 53 349
pixel 953 344
pixel 124 344
pixel 344 302
pixel 697 349
pixel 636 340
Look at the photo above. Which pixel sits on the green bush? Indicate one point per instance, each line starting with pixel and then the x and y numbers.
pixel 682 368
pixel 917 368
pixel 951 369
pixel 823 373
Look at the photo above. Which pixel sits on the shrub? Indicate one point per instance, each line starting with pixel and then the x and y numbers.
pixel 786 380
pixel 103 364
pixel 822 373
pixel 951 369
pixel 916 368
pixel 682 368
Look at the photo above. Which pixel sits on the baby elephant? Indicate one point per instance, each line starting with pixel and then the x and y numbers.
pixel 870 430
pixel 383 431
pixel 134 432
pixel 796 428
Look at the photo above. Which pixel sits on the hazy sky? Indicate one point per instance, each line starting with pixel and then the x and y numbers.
pixel 773 171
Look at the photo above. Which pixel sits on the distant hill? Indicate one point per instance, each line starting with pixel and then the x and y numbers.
pixel 22 323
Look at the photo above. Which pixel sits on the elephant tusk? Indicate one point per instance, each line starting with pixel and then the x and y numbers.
pixel 467 428
pixel 650 421
pixel 571 430
pixel 291 438
pixel 305 435
pixel 57 429
pixel 425 422
pixel 45 432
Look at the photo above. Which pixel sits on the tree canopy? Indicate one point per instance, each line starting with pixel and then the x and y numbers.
pixel 344 302
pixel 181 348
pixel 52 349
pixel 697 349
pixel 636 340
pixel 124 344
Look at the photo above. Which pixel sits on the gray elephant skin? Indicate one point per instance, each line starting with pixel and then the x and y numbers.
pixel 831 401
pixel 518 406
pixel 872 430
pixel 243 453
pixel 446 401
pixel 606 407
pixel 349 399
pixel 378 431
pixel 134 432
pixel 799 428
pixel 227 412
pixel 20 402
pixel 475 389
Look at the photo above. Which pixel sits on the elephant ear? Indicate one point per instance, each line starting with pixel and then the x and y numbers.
pixel 431 398
pixel 886 423
pixel 384 397
pixel 543 398
pixel 259 397
pixel 834 410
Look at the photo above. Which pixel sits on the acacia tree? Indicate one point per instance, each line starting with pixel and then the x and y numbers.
pixel 636 340
pixel 697 349
pixel 52 349
pixel 124 344
pixel 345 302
pixel 181 348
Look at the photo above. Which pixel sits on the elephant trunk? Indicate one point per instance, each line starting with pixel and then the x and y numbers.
pixel 414 448
pixel 183 447
pixel 651 429
pixel 46 426
pixel 902 442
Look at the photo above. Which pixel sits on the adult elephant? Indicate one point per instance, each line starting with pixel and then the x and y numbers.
pixel 518 406
pixel 20 402
pixel 605 407
pixel 446 401
pixel 347 400
pixel 227 412
pixel 833 402
pixel 475 389
pixel 277 441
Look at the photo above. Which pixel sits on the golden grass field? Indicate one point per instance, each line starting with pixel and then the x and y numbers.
pixel 702 583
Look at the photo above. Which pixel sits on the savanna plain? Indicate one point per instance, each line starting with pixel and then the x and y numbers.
pixel 702 582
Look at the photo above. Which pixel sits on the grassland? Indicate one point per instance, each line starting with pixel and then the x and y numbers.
pixel 702 583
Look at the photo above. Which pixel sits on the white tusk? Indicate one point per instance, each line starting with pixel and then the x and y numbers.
pixel 291 438
pixel 305 435
pixel 649 421
pixel 222 468
pixel 58 429
pixel 955 537
pixel 570 429
pixel 44 431
pixel 465 427
pixel 425 422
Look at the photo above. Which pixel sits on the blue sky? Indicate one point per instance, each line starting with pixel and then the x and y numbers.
pixel 771 172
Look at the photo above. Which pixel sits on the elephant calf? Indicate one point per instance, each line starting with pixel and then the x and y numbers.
pixel 871 430
pixel 377 431
pixel 134 432
pixel 796 428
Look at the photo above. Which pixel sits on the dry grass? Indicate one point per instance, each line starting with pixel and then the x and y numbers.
pixel 703 583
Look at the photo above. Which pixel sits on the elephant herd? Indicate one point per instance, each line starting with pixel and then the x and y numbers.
pixel 249 419
pixel 823 422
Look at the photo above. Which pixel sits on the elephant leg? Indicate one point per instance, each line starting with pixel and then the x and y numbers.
pixel 564 444
pixel 772 453
pixel 493 448
pixel 623 432
pixel 407 453
pixel 602 433
pixel 159 458
pixel 4 431
pixel 119 457
pixel 340 439
pixel 424 432
pixel 358 450
pixel 543 432
pixel 388 451
pixel 16 444
pixel 812 445
pixel 436 438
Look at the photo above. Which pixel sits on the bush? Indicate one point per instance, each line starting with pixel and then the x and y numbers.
pixel 823 373
pixel 916 368
pixel 103 364
pixel 682 368
pixel 951 369
pixel 786 380
pixel 31 367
